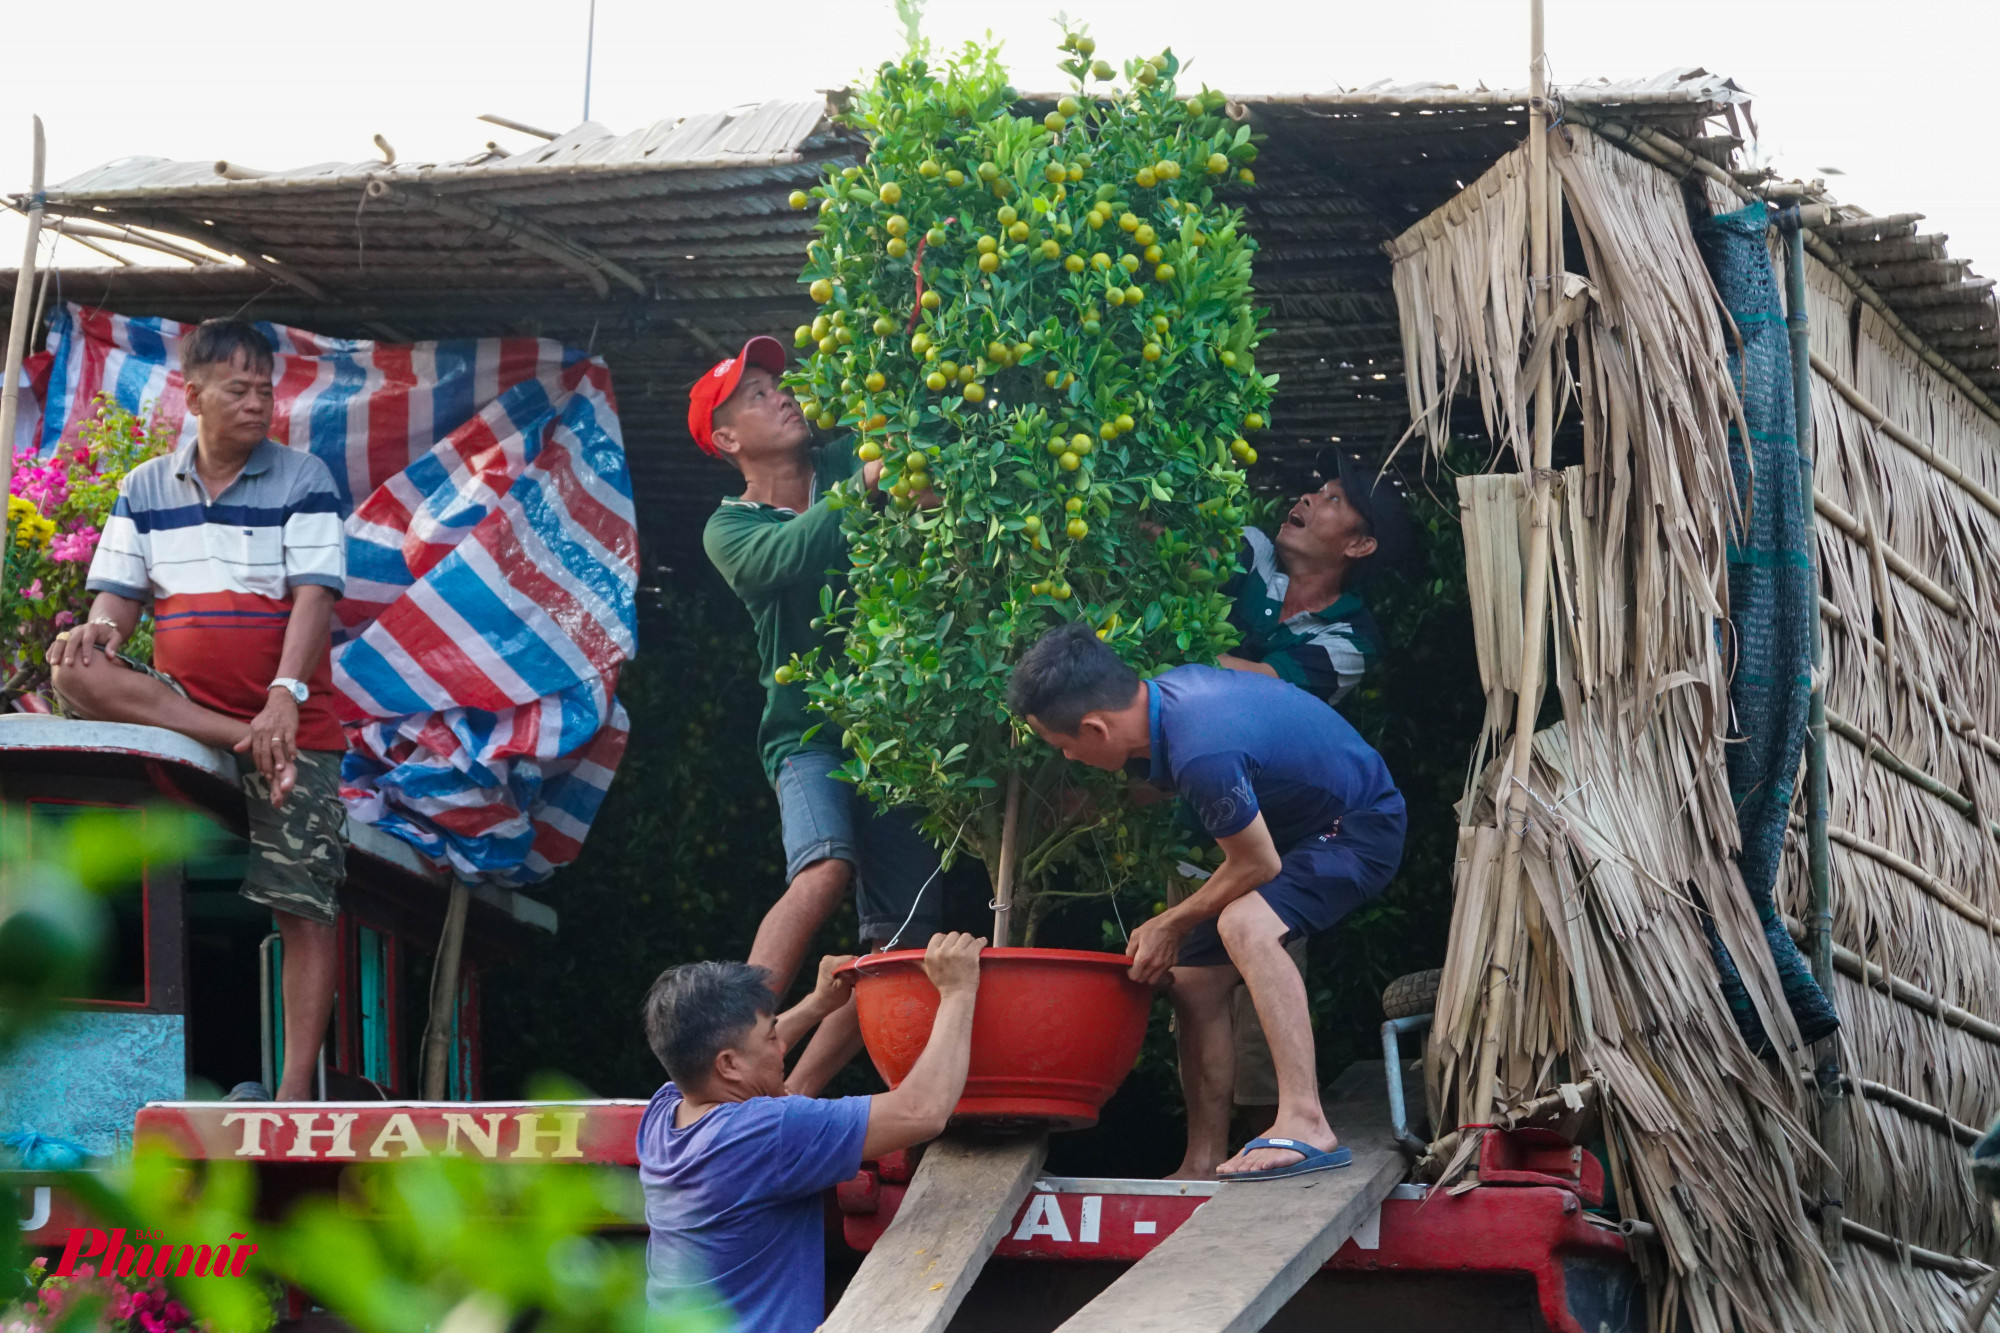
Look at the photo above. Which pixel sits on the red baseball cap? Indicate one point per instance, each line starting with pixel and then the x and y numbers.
pixel 713 389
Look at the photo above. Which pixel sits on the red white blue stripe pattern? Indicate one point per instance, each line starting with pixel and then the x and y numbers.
pixel 492 562
pixel 34 382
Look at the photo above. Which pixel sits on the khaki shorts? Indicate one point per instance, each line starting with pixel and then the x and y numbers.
pixel 1256 1076
pixel 298 853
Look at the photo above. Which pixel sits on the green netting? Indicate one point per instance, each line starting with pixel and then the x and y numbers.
pixel 1772 603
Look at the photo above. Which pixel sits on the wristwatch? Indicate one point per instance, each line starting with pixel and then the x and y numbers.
pixel 296 688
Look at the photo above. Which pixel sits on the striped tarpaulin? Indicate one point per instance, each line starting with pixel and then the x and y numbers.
pixel 34 384
pixel 491 566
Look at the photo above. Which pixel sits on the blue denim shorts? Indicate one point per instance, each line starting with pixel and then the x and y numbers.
pixel 827 819
pixel 1322 879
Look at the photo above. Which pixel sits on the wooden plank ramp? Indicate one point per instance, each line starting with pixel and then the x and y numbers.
pixel 962 1199
pixel 1243 1254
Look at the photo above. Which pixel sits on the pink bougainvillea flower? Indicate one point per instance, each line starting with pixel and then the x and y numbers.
pixel 33 592
pixel 75 546
pixel 64 619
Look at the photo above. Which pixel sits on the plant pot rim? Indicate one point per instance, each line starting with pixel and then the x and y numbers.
pixel 1013 953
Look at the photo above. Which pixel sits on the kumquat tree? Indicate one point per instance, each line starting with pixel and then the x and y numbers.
pixel 1043 327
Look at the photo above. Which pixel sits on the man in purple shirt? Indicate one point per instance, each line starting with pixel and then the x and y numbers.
pixel 733 1169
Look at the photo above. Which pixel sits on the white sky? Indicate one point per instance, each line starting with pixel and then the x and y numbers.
pixel 1900 99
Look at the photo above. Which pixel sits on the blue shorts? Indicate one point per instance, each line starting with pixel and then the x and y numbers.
pixel 1321 880
pixel 826 819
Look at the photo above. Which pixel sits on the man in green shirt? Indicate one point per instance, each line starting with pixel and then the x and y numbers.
pixel 777 545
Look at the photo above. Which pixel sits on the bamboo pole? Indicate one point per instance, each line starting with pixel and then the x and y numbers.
pixel 74 230
pixel 1487 1097
pixel 1923 1112
pixel 1916 777
pixel 1939 890
pixel 1965 1269
pixel 506 124
pixel 1893 561
pixel 17 328
pixel 506 225
pixel 1877 418
pixel 444 994
pixel 1829 611
pixel 1833 1122
pixel 1010 853
pixel 1909 994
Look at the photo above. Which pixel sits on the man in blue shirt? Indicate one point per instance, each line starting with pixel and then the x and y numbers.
pixel 1311 827
pixel 733 1169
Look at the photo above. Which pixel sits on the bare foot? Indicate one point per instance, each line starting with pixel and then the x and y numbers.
pixel 1190 1173
pixel 1263 1159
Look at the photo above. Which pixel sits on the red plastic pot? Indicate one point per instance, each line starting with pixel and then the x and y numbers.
pixel 1054 1031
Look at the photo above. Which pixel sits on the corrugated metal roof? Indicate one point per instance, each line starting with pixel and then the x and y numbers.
pixel 767 134
pixel 693 211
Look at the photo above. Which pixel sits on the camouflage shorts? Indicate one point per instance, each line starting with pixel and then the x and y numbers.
pixel 298 852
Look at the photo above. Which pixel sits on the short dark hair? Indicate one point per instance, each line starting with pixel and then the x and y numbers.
pixel 696 1010
pixel 1069 672
pixel 218 342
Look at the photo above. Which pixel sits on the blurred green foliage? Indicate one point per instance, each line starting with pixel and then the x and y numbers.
pixel 53 918
pixel 434 1243
pixel 467 1245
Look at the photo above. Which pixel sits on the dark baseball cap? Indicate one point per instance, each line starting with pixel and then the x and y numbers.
pixel 1378 497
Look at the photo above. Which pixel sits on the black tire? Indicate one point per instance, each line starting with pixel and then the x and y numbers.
pixel 1413 993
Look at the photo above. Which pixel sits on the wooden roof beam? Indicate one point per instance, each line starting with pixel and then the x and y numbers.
pixel 1972 291
pixel 207 236
pixel 1848 231
pixel 75 228
pixel 506 225
pixel 1866 252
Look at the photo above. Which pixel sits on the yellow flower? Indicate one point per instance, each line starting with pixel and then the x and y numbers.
pixel 30 528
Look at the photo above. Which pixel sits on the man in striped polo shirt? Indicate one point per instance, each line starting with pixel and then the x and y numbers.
pixel 237 542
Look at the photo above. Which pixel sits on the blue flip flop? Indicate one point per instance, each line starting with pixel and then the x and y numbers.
pixel 1314 1160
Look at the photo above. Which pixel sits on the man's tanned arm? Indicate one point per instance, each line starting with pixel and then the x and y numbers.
pixel 1250 861
pixel 829 994
pixel 274 732
pixel 918 1109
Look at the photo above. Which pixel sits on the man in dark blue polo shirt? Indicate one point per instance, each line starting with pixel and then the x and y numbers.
pixel 1311 827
